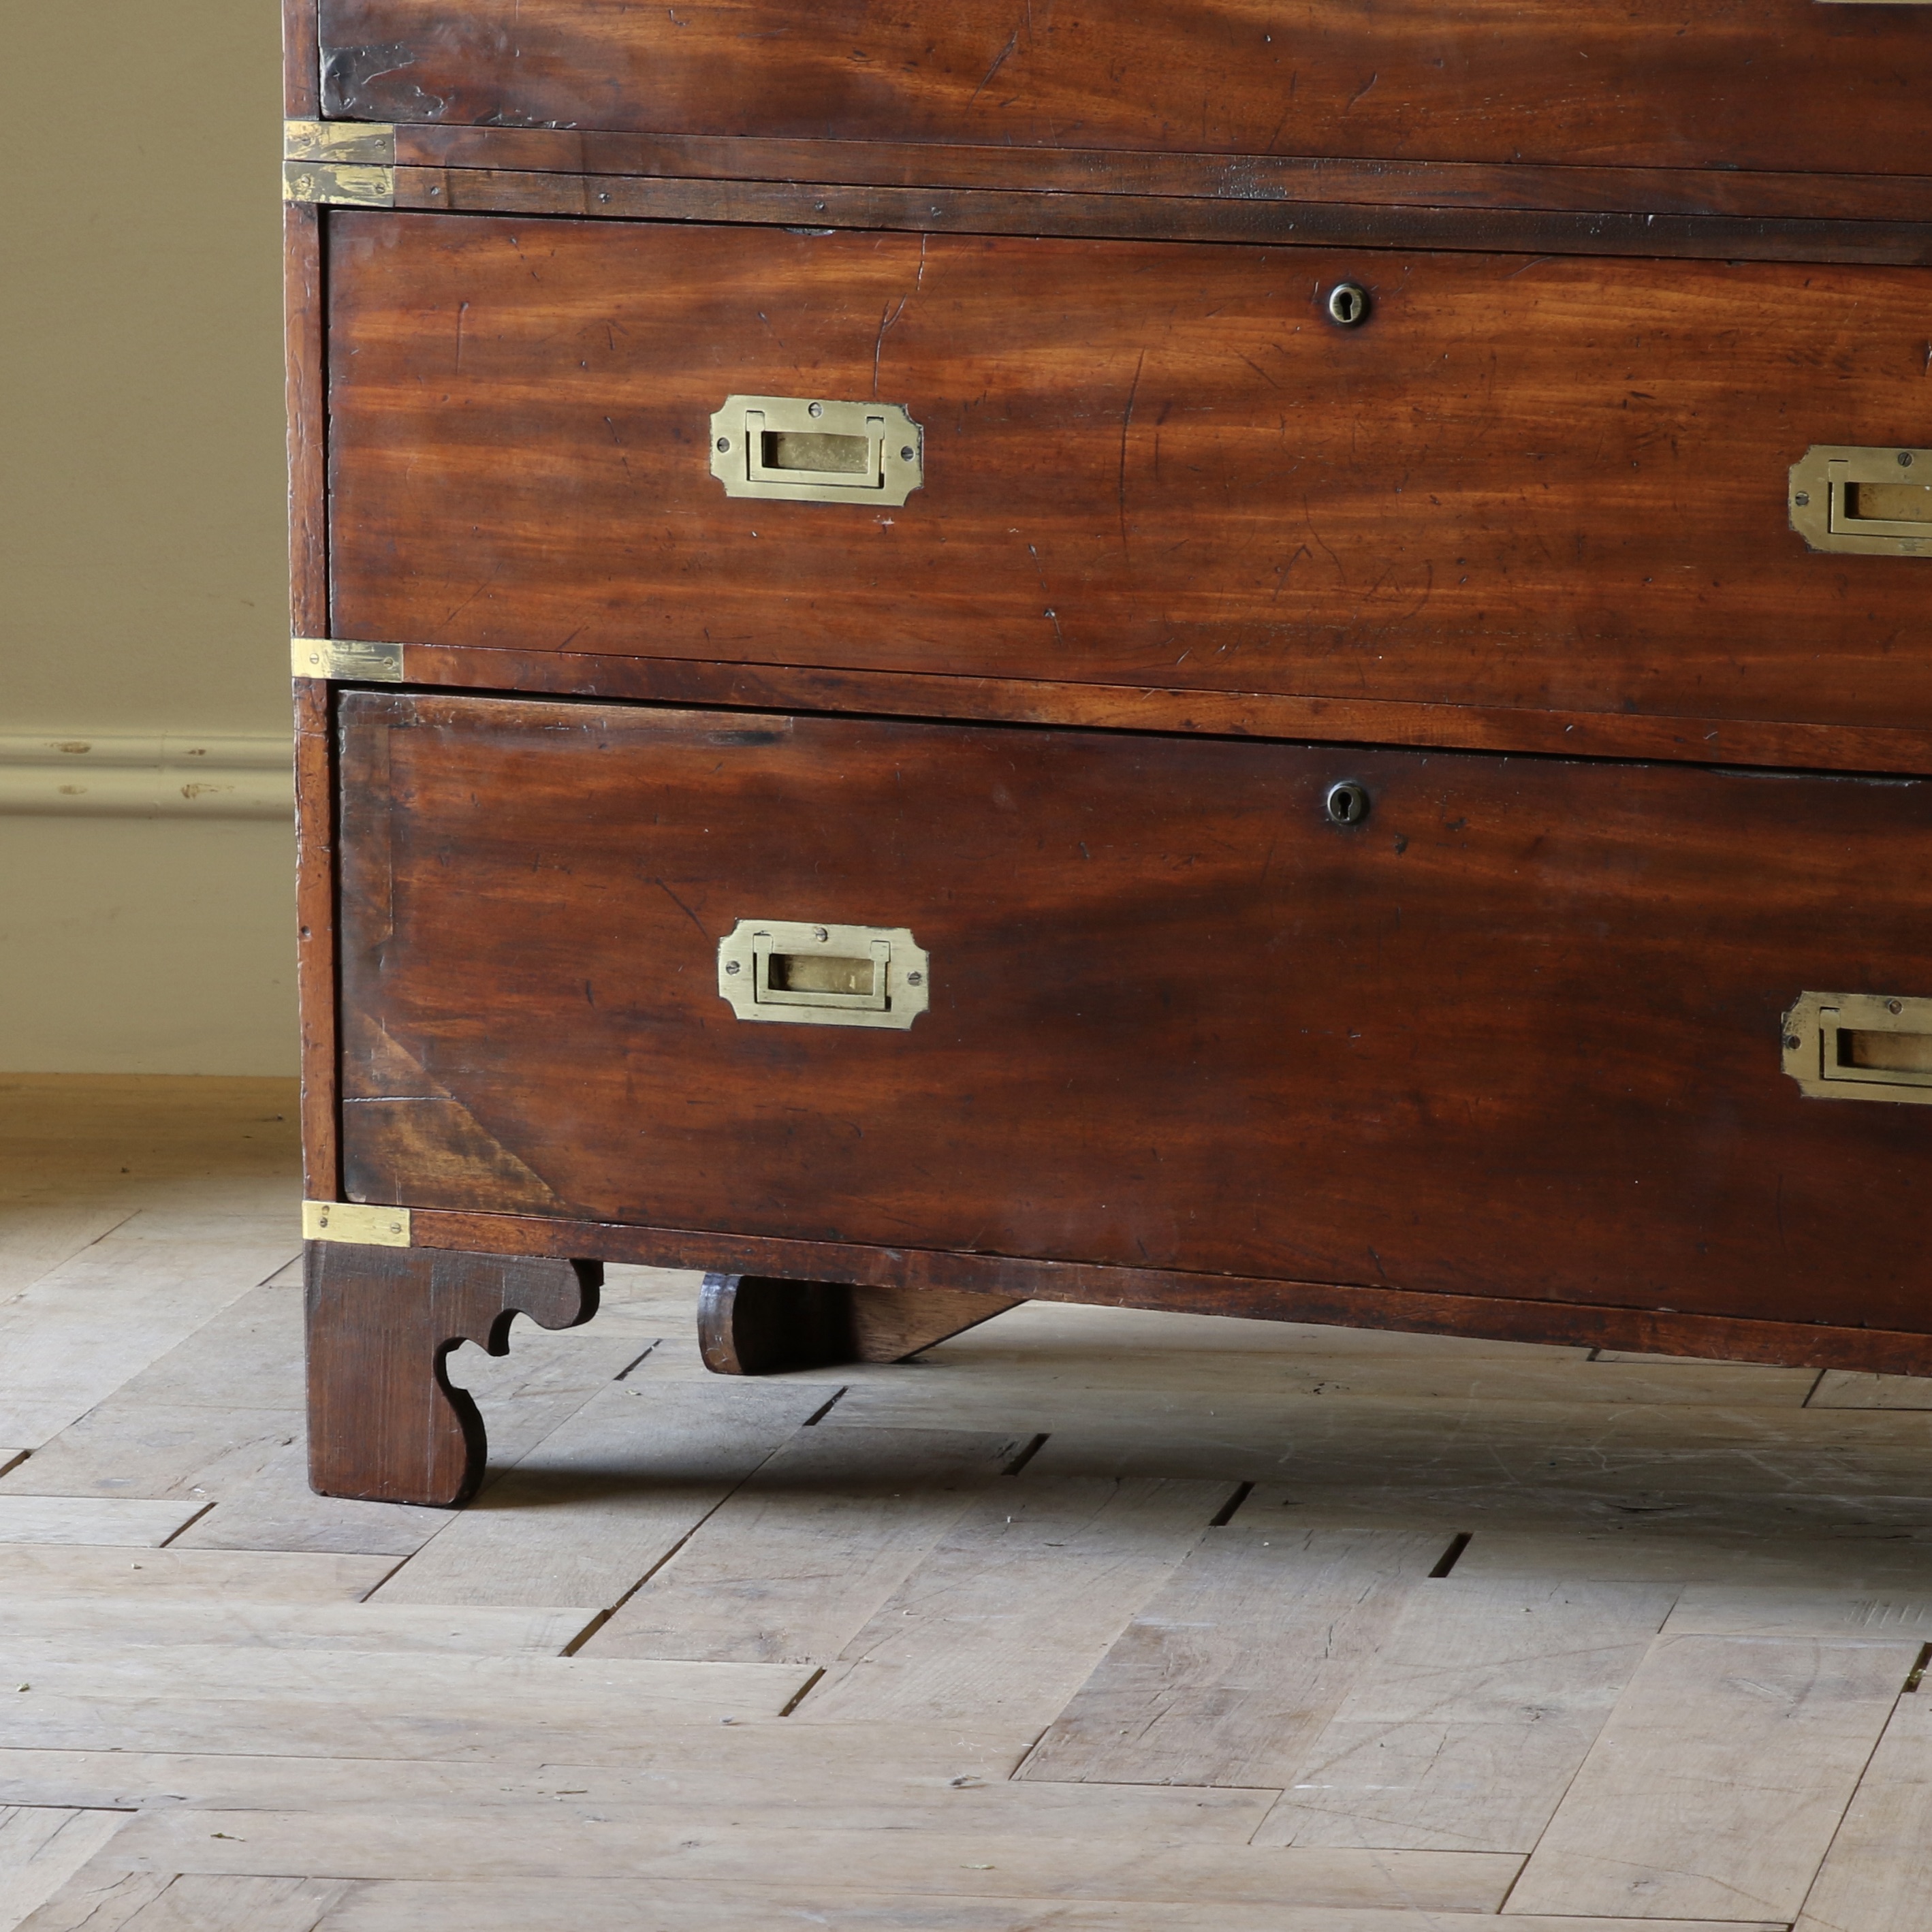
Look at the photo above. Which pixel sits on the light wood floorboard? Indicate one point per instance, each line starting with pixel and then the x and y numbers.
pixel 1032 1686
pixel 1477 1710
pixel 1706 1609
pixel 41 1847
pixel 100 1899
pixel 78 1333
pixel 1019 1600
pixel 260 1576
pixel 1715 1787
pixel 1227 1674
pixel 794 1563
pixel 773 1763
pixel 1845 1388
pixel 90 1519
pixel 1878 1875
pixel 487 1630
pixel 590 1511
pixel 619 1907
pixel 567 1841
pixel 210 1698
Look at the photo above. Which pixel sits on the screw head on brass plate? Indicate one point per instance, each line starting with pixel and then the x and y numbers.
pixel 355 1222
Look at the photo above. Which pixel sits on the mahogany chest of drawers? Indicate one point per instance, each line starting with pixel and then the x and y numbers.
pixel 1262 656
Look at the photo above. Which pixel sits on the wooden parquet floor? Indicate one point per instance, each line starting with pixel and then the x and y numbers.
pixel 1087 1620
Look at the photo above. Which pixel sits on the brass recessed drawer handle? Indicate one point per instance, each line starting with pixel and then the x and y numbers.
pixel 1860 1046
pixel 867 976
pixel 1871 502
pixel 776 447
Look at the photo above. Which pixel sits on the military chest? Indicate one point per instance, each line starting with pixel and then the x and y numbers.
pixel 1266 658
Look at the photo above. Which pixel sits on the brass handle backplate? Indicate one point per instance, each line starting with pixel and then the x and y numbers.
pixel 780 447
pixel 1860 1046
pixel 807 975
pixel 1870 503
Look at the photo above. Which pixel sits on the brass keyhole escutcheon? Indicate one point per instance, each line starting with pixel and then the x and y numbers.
pixel 1347 802
pixel 1347 304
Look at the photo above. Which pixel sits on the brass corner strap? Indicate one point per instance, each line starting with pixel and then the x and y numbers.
pixel 339 164
pixel 347 663
pixel 350 1221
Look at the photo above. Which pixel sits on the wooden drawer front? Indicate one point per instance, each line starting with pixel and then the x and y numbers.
pixel 1518 1032
pixel 1712 83
pixel 1551 484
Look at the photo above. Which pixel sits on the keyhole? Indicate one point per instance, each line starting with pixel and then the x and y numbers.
pixel 1347 304
pixel 1348 802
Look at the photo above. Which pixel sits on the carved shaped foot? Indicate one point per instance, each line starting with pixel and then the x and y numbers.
pixel 384 1423
pixel 757 1325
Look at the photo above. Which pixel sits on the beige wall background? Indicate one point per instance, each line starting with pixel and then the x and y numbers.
pixel 142 550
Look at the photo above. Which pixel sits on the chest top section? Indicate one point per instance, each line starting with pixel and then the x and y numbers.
pixel 1813 86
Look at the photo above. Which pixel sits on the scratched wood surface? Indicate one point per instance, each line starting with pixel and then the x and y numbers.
pixel 1666 1697
pixel 1255 179
pixel 1518 1032
pixel 1786 84
pixel 1538 483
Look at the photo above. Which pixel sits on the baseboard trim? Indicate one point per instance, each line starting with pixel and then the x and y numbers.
pixel 92 774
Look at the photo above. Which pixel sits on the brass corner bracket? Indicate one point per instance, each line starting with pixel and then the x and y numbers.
pixel 339 164
pixel 350 1221
pixel 347 663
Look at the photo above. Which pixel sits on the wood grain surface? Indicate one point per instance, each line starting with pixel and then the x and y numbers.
pixel 1556 484
pixel 1730 1760
pixel 1786 84
pixel 303 360
pixel 301 72
pixel 1516 1035
pixel 1765 193
pixel 1381 222
pixel 1666 1332
pixel 1116 707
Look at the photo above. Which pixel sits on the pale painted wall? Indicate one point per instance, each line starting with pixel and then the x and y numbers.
pixel 142 552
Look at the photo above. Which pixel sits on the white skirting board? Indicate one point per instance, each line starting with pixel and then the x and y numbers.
pixel 148 921
pixel 90 774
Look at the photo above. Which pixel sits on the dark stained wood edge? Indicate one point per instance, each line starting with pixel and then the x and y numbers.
pixel 315 757
pixel 1299 719
pixel 753 1325
pixel 1660 1331
pixel 315 988
pixel 302 61
pixel 304 321
pixel 1166 218
pixel 385 1423
pixel 1245 178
